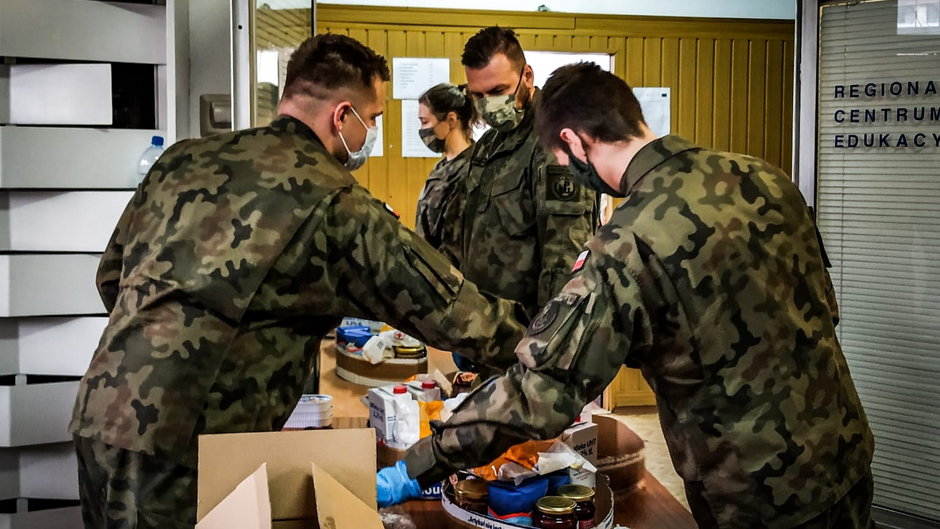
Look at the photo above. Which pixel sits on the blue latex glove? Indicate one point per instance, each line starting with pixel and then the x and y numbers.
pixel 394 486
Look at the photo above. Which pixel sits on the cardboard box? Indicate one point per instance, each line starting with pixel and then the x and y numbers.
pixel 264 480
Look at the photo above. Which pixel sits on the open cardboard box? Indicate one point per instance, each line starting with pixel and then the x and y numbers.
pixel 288 480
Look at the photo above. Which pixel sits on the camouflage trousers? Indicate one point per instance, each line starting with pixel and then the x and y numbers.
pixel 853 511
pixel 122 489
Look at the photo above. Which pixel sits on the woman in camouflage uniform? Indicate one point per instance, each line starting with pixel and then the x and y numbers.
pixel 446 114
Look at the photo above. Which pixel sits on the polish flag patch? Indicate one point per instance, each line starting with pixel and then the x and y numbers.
pixel 392 210
pixel 579 262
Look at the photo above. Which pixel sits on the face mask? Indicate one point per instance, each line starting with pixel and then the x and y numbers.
pixel 500 112
pixel 358 159
pixel 586 175
pixel 430 140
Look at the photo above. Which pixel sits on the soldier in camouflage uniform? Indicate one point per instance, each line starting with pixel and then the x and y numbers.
pixel 525 219
pixel 446 114
pixel 237 254
pixel 709 278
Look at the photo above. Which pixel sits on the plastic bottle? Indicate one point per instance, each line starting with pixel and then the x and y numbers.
pixel 149 156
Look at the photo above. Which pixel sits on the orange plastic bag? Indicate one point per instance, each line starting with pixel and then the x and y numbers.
pixel 427 412
pixel 525 454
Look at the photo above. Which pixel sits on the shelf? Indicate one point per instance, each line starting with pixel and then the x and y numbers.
pixel 49 285
pixel 71 158
pixel 46 471
pixel 51 221
pixel 49 346
pixel 32 414
pixel 83 31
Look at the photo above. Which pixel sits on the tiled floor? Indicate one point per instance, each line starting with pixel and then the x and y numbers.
pixel 643 421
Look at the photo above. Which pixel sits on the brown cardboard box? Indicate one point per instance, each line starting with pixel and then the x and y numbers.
pixel 268 480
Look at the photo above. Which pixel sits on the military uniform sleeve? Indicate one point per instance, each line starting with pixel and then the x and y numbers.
pixel 386 272
pixel 572 350
pixel 108 278
pixel 567 217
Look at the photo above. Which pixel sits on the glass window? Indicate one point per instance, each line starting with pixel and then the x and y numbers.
pixel 878 199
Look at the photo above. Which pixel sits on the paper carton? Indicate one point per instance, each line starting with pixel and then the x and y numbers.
pixel 266 480
pixel 582 438
pixel 396 418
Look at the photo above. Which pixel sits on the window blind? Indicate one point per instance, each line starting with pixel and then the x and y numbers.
pixel 878 201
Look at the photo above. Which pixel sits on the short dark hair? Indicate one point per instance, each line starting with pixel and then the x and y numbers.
pixel 588 100
pixel 480 48
pixel 328 61
pixel 445 97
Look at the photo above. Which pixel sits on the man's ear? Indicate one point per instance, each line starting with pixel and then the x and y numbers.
pixel 574 142
pixel 339 114
pixel 528 75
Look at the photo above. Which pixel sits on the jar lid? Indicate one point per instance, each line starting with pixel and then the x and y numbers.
pixel 472 489
pixel 409 350
pixel 576 492
pixel 555 505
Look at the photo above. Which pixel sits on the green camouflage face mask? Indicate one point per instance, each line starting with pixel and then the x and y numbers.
pixel 500 112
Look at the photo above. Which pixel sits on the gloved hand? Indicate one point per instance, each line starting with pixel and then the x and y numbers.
pixel 394 486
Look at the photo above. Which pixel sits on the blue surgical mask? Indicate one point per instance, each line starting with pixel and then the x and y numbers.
pixel 358 159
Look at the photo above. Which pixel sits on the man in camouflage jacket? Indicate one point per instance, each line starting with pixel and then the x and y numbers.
pixel 237 254
pixel 709 278
pixel 524 218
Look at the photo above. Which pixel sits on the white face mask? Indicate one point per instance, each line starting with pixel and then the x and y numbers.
pixel 358 159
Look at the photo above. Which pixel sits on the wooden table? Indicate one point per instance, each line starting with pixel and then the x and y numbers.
pixel 651 507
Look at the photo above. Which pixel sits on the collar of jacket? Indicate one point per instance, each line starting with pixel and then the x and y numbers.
pixel 651 156
pixel 293 125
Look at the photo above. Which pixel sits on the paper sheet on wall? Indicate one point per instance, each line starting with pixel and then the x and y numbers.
pixel 379 148
pixel 411 144
pixel 411 76
pixel 655 103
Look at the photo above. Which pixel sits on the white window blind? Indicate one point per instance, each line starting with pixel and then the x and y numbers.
pixel 878 200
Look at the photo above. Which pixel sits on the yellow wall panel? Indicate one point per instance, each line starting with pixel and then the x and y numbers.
pixel 731 80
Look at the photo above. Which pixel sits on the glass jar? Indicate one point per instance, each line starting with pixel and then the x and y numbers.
pixel 554 512
pixel 584 498
pixel 472 495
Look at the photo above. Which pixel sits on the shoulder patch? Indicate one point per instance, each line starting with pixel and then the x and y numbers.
pixel 391 210
pixel 561 186
pixel 544 318
pixel 579 262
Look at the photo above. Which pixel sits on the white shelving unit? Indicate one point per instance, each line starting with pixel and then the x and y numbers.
pixel 62 190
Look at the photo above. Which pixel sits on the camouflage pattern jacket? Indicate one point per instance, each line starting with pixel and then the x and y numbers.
pixel 440 206
pixel 709 279
pixel 236 255
pixel 525 219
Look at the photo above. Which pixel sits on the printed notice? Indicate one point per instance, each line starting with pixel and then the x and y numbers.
pixel 411 76
pixel 655 103
pixel 411 144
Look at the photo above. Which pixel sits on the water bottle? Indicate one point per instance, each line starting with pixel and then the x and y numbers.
pixel 149 156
